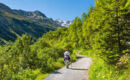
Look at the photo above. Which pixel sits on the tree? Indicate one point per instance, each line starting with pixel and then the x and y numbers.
pixel 75 32
pixel 110 37
pixel 83 17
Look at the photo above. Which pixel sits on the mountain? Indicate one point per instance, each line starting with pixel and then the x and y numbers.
pixel 63 23
pixel 37 16
pixel 5 8
pixel 14 23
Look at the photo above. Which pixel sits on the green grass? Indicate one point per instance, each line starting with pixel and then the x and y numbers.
pixel 29 74
pixel 99 70
pixel 42 76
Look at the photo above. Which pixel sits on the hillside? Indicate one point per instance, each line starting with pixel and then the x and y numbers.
pixel 36 16
pixel 14 23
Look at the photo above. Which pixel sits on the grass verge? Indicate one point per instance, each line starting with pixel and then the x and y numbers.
pixel 99 70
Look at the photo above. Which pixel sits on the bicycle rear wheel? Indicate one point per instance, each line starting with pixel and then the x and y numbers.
pixel 67 63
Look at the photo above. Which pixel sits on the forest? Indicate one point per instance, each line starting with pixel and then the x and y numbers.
pixel 103 34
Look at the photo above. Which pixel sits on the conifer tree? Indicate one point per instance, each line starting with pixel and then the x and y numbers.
pixel 110 37
pixel 75 31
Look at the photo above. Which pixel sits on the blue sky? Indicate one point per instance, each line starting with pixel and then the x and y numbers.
pixel 56 9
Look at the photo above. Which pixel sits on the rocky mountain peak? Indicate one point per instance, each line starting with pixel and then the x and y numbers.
pixel 63 23
pixel 39 13
pixel 4 7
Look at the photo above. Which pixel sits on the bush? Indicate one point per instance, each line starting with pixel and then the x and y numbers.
pixel 27 74
pixel 123 61
pixel 73 57
pixel 60 60
pixel 58 65
pixel 100 70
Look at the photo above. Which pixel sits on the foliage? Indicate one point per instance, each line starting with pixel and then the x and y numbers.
pixel 123 62
pixel 99 70
pixel 23 57
pixel 103 34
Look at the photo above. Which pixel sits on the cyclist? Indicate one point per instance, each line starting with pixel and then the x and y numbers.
pixel 67 57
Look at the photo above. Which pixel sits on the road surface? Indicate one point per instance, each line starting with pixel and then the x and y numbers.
pixel 77 71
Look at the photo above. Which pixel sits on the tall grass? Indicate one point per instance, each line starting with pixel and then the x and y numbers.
pixel 99 70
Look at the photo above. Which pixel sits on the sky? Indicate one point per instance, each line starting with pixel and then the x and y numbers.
pixel 55 9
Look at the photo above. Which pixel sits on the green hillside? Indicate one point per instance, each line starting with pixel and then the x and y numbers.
pixel 13 25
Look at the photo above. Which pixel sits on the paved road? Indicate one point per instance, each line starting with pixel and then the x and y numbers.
pixel 77 71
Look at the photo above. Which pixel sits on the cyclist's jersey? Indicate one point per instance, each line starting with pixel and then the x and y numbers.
pixel 66 53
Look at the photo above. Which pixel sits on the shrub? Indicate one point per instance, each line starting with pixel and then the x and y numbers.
pixel 27 74
pixel 123 61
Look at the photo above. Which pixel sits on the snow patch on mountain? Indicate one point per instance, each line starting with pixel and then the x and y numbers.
pixel 63 23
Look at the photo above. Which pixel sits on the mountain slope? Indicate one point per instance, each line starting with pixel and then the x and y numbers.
pixel 13 24
pixel 36 16
pixel 5 8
